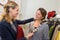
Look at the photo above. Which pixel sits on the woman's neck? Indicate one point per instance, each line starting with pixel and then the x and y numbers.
pixel 37 23
pixel 10 16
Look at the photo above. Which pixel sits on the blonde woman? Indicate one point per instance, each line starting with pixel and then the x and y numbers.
pixel 9 23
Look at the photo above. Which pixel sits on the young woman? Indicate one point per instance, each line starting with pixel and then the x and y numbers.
pixel 40 28
pixel 9 23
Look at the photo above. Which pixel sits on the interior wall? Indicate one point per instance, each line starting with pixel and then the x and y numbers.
pixel 59 6
pixel 29 7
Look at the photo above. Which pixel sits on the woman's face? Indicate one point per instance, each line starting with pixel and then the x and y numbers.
pixel 38 15
pixel 14 12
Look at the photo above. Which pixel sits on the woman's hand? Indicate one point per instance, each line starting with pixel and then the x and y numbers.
pixel 29 35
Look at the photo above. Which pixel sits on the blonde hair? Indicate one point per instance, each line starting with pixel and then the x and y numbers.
pixel 5 15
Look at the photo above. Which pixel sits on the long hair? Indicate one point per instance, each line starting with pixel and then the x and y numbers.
pixel 5 15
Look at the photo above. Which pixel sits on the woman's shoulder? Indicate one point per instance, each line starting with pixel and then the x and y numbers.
pixel 45 25
pixel 3 23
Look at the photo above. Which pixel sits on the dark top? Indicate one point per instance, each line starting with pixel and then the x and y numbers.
pixel 7 32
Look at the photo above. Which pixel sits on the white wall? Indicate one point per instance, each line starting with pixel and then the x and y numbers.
pixel 29 7
pixel 23 8
pixel 59 7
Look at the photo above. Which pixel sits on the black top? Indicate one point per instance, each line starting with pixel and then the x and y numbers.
pixel 7 32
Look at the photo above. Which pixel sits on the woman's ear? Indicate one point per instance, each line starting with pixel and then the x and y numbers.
pixel 10 10
pixel 42 17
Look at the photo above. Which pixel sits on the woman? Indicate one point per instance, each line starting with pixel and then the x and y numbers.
pixel 40 28
pixel 9 23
